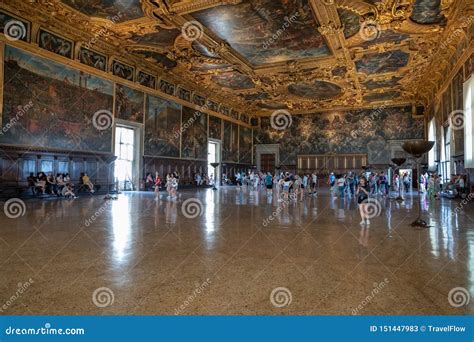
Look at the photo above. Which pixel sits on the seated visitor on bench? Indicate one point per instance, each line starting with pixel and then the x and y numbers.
pixel 87 182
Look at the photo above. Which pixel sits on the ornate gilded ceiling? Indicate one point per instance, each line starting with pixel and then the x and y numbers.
pixel 260 55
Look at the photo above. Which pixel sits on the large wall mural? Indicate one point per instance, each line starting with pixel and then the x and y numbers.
pixel 215 128
pixel 193 134
pixel 359 131
pixel 49 105
pixel 230 145
pixel 129 103
pixel 284 29
pixel 162 124
pixel 245 145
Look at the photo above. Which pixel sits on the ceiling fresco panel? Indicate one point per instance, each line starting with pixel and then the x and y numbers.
pixel 393 82
pixel 115 10
pixel 376 63
pixel 233 80
pixel 427 12
pixel 315 90
pixel 267 31
pixel 160 38
pixel 350 22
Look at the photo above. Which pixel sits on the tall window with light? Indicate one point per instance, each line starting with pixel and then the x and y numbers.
pixel 432 152
pixel 468 89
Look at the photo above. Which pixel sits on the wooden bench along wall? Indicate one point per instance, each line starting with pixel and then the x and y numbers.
pixel 325 163
pixel 17 164
pixel 186 168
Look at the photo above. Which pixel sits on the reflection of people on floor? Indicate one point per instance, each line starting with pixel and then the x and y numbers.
pixel 364 236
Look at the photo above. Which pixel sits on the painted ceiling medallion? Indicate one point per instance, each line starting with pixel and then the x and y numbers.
pixel 318 90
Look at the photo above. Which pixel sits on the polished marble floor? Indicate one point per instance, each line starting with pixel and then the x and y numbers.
pixel 235 252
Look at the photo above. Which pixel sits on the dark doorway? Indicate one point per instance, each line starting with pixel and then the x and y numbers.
pixel 267 162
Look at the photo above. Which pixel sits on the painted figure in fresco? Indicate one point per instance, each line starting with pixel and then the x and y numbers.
pixel 146 80
pixel 90 58
pixel 55 44
pixel 123 71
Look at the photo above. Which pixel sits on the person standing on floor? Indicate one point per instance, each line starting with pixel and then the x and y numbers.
pixel 341 182
pixel 269 183
pixel 314 179
pixel 362 197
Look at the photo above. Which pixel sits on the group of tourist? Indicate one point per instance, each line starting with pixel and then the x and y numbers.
pixel 170 183
pixel 305 184
pixel 59 185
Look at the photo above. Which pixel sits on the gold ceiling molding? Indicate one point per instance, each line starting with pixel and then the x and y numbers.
pixel 392 18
